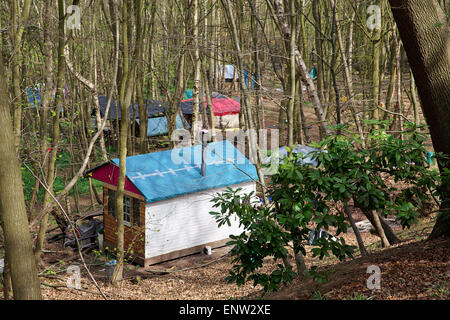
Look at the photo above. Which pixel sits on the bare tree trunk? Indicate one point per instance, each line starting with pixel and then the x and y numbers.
pixel 143 113
pixel 19 251
pixel 392 71
pixel 399 103
pixel 359 239
pixel 415 102
pixel 59 102
pixel 292 82
pixel 425 35
pixel 348 77
pixel 376 43
pixel 19 19
pixel 254 148
pixel 212 120
pixel 126 89
pixel 277 4
pixel 196 124
pixel 377 224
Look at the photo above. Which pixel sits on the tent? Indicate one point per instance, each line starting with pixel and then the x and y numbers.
pixel 158 125
pixel 154 108
pixel 157 121
pixel 226 110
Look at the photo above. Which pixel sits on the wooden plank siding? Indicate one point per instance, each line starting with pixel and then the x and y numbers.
pixel 182 225
pixel 134 236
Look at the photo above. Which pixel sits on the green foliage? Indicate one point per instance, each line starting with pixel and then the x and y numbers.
pixel 318 296
pixel 63 161
pixel 440 290
pixel 304 195
pixel 359 296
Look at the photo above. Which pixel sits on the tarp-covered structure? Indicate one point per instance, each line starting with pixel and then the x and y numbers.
pixel 226 110
pixel 168 199
pixel 157 121
pixel 306 153
pixel 222 105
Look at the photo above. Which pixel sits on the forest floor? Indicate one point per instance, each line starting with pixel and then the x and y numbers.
pixel 413 269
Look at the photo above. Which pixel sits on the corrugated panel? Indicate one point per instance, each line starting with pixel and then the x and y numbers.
pixel 184 222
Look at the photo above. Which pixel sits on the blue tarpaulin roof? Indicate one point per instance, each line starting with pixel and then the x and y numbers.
pixel 168 174
pixel 158 126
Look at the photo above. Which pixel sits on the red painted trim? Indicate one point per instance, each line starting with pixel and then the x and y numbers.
pixel 109 173
pixel 222 106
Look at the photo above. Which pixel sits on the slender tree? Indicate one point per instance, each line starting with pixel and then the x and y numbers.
pixel 19 251
pixel 425 35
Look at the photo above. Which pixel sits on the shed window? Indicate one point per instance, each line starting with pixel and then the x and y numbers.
pixel 126 210
pixel 131 208
pixel 111 202
pixel 136 212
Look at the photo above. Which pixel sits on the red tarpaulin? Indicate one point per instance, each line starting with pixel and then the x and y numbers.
pixel 221 106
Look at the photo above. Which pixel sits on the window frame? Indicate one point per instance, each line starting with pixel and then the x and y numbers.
pixel 136 212
pixel 128 206
pixel 111 202
pixel 131 210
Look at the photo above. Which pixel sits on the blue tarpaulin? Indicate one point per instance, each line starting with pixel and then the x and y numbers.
pixel 313 73
pixel 34 98
pixel 307 152
pixel 188 93
pixel 171 173
pixel 158 126
pixel 246 79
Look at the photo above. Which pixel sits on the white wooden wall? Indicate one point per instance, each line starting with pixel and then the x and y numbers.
pixel 184 222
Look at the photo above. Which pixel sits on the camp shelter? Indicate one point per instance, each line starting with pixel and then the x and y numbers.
pixel 157 121
pixel 226 110
pixel 226 72
pixel 158 125
pixel 231 73
pixel 35 99
pixel 167 199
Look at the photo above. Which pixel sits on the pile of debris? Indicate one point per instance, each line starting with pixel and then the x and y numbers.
pixel 366 226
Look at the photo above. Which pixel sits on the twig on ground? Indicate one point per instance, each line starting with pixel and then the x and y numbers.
pixel 61 286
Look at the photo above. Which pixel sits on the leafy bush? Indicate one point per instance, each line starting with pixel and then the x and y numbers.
pixel 304 196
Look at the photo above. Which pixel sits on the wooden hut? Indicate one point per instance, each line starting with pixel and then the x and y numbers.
pixel 167 199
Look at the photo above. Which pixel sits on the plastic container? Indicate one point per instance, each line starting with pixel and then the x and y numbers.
pixel 110 266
